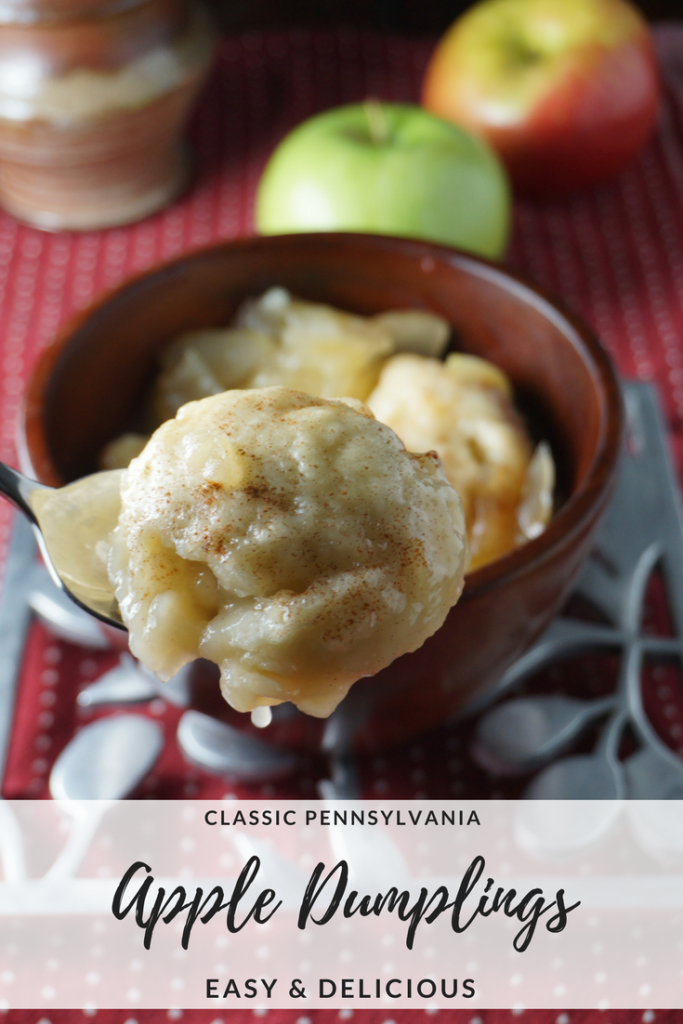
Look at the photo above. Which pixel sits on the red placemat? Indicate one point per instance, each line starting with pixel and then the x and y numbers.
pixel 615 256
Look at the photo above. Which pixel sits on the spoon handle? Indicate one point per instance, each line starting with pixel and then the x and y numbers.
pixel 18 489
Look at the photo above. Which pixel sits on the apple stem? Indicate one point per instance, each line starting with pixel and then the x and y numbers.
pixel 377 122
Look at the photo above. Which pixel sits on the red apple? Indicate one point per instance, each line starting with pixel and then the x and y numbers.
pixel 565 91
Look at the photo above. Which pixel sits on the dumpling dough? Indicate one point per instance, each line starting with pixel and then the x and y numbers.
pixel 279 340
pixel 463 410
pixel 292 540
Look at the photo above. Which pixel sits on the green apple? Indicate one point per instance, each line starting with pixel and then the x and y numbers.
pixel 390 169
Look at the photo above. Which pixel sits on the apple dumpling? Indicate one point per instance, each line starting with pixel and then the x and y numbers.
pixel 275 341
pixel 292 540
pixel 463 409
pixel 279 340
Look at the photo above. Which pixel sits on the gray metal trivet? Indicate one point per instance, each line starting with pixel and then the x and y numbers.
pixel 642 529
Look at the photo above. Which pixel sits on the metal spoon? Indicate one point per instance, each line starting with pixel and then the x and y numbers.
pixel 103 762
pixel 525 732
pixel 61 615
pixel 72 525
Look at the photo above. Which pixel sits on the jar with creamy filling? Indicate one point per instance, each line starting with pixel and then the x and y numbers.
pixel 94 95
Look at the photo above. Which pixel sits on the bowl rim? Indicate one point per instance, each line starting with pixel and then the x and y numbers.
pixel 578 511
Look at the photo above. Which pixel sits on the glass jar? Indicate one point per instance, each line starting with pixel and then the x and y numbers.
pixel 94 97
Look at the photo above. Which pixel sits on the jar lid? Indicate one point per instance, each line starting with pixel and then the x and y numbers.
pixel 28 12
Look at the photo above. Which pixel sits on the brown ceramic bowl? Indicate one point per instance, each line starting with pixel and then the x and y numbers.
pixel 89 384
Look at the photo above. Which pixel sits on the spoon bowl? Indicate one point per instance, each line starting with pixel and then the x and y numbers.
pixel 72 525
